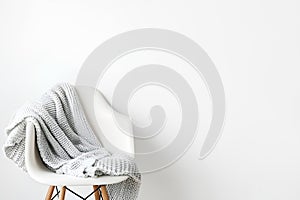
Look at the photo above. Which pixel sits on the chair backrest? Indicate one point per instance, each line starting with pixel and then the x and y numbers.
pixel 113 129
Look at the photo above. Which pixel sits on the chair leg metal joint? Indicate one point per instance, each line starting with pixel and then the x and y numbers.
pixel 57 193
pixel 98 191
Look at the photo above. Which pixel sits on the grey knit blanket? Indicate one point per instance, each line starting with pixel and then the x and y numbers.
pixel 67 144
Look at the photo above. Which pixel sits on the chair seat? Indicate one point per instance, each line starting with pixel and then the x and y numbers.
pixel 40 173
pixel 51 178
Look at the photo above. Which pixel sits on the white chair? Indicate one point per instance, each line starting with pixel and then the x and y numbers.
pixel 102 120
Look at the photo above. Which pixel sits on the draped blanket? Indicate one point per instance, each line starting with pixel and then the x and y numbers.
pixel 67 143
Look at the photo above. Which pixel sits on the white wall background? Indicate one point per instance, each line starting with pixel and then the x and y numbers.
pixel 255 46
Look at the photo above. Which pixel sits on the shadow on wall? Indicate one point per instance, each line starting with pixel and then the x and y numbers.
pixel 187 184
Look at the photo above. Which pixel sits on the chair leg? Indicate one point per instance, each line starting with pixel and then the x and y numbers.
pixel 97 193
pixel 50 192
pixel 104 192
pixel 62 193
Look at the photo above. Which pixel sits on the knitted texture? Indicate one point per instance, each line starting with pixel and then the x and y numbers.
pixel 67 143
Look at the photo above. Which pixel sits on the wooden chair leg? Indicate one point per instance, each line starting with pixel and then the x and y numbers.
pixel 62 193
pixel 97 193
pixel 104 192
pixel 50 192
